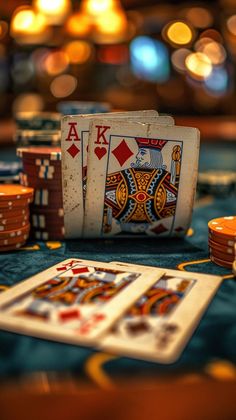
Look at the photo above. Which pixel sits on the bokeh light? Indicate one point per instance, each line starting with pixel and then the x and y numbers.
pixel 178 58
pixel 199 17
pixel 78 52
pixel 149 59
pixel 63 85
pixel 217 82
pixel 28 101
pixel 98 7
pixel 178 33
pixel 3 28
pixel 27 21
pixel 55 10
pixel 111 27
pixel 199 65
pixel 213 34
pixel 56 62
pixel 231 24
pixel 22 71
pixel 215 52
pixel 78 25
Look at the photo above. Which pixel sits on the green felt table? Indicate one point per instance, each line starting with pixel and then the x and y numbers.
pixel 211 352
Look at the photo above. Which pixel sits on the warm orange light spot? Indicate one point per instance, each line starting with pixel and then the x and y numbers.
pixel 231 24
pixel 78 24
pixel 199 65
pixel 55 10
pixel 26 21
pixel 78 51
pixel 199 17
pixel 179 33
pixel 98 7
pixel 63 85
pixel 56 62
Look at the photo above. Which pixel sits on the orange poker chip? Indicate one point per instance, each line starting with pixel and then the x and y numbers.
pixel 15 204
pixel 222 256
pixel 12 220
pixel 14 232
pixel 224 227
pixel 9 213
pixel 13 226
pixel 10 192
pixel 221 241
pixel 14 240
pixel 219 247
pixel 220 262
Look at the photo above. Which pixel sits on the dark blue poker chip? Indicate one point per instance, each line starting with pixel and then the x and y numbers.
pixel 10 169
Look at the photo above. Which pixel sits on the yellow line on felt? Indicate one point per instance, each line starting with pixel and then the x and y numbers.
pixel 182 266
pixel 94 369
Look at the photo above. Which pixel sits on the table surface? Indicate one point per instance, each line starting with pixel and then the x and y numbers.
pixel 210 353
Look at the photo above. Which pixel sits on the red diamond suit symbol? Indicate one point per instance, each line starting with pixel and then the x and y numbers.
pixel 122 152
pixel 73 150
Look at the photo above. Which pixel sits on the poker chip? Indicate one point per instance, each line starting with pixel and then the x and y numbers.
pixel 9 213
pixel 221 248
pixel 14 192
pixel 221 255
pixel 50 153
pixel 38 120
pixel 14 232
pixel 221 262
pixel 9 169
pixel 14 240
pixel 42 171
pixel 12 247
pixel 14 204
pixel 14 220
pixel 37 138
pixel 82 107
pixel 224 227
pixel 220 183
pixel 221 241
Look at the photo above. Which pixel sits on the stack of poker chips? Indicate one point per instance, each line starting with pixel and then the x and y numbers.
pixel 42 171
pixel 9 172
pixel 82 107
pixel 38 129
pixel 222 241
pixel 218 183
pixel 14 216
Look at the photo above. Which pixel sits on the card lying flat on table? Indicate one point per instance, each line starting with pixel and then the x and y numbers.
pixel 75 301
pixel 141 179
pixel 75 132
pixel 159 324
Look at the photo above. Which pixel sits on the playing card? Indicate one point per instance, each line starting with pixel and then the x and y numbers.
pixel 75 301
pixel 141 179
pixel 159 324
pixel 75 130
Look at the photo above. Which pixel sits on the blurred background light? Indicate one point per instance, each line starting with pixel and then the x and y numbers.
pixel 178 33
pixel 199 17
pixel 98 7
pixel 28 101
pixel 27 21
pixel 114 54
pixel 111 27
pixel 3 29
pixel 56 62
pixel 217 82
pixel 63 85
pixel 149 59
pixel 22 70
pixel 231 24
pixel 78 52
pixel 199 65
pixel 54 10
pixel 78 25
pixel 213 34
pixel 178 58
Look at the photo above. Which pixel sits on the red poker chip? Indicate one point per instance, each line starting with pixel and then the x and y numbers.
pixel 12 220
pixel 220 262
pixel 44 235
pixel 42 170
pixel 221 248
pixel 39 183
pixel 51 212
pixel 51 153
pixel 223 241
pixel 14 232
pixel 12 247
pixel 14 240
pixel 41 162
pixel 221 255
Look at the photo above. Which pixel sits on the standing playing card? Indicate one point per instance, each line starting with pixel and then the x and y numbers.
pixel 141 179
pixel 75 131
pixel 74 301
pixel 159 324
